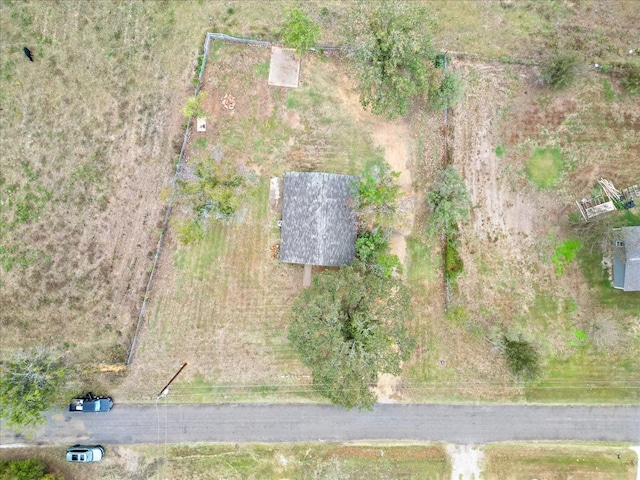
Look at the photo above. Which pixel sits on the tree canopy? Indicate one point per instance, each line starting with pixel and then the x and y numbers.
pixel 392 54
pixel 27 469
pixel 299 31
pixel 29 385
pixel 449 202
pixel 348 327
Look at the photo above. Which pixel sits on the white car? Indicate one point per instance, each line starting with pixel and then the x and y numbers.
pixel 85 453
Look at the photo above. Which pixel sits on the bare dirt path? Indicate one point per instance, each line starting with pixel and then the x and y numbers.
pixel 393 138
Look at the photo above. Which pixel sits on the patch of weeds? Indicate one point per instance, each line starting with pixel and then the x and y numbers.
pixel 194 107
pixel 609 94
pixel 304 99
pixel 261 70
pixel 500 150
pixel 29 173
pixel 544 168
pixel 27 207
pixel 457 314
pixel 423 262
pixel 299 31
pixel 564 254
pixel 440 60
pixel 13 255
pixel 214 50
pixel 6 70
pixel 189 231
pixel 580 338
pixel 559 71
pixel 628 219
pixel 631 80
pixel 89 173
pixel 453 261
pixel 571 306
pixel 448 94
pixel 198 69
pixel 200 144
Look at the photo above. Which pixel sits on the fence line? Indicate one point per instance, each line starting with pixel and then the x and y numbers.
pixel 167 213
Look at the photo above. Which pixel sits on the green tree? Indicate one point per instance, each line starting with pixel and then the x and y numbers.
pixel 28 469
pixel 449 202
pixel 299 31
pixel 392 54
pixel 348 327
pixel 213 191
pixel 522 358
pixel 30 383
pixel 375 196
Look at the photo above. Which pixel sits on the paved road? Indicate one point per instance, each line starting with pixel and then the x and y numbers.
pixel 465 424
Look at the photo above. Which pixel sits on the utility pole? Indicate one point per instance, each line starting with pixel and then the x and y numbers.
pixel 165 390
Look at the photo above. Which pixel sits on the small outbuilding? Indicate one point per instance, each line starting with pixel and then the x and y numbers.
pixel 626 259
pixel 318 223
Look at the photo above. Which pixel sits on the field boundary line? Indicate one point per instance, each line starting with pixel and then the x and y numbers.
pixel 167 213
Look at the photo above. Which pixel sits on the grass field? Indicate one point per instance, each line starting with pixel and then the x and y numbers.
pixel 249 461
pixel 338 461
pixel 558 461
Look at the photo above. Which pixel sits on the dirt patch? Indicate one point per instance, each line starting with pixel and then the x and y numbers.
pixel 388 389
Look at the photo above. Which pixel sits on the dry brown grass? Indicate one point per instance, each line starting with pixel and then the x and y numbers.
pixel 549 461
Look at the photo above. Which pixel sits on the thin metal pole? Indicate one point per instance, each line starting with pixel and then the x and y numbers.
pixel 165 390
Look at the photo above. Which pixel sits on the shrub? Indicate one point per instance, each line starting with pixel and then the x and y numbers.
pixel 372 248
pixel 194 108
pixel 631 81
pixel 453 261
pixel 447 94
pixel 299 31
pixel 559 71
pixel 189 231
pixel 449 202
pixel 522 358
pixel 375 195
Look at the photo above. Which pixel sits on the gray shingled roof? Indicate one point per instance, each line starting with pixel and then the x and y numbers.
pixel 318 225
pixel 626 262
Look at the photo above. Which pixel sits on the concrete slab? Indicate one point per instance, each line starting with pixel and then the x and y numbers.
pixel 284 69
pixel 306 279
